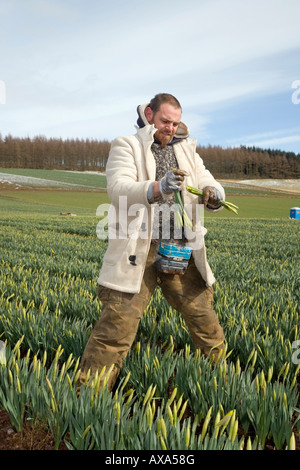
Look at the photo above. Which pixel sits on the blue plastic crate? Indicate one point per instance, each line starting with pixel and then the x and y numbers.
pixel 175 251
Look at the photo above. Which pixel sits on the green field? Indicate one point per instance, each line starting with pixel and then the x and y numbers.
pixel 89 180
pixel 168 397
pixel 37 194
pixel 81 202
pixel 52 202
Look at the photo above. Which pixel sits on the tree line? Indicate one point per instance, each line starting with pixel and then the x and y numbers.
pixel 53 153
pixel 89 154
pixel 250 162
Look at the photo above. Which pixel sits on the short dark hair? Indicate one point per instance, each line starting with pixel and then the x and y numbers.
pixel 162 98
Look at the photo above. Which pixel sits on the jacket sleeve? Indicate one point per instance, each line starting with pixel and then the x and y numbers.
pixel 122 174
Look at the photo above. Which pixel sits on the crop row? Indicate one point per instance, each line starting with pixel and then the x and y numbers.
pixel 168 396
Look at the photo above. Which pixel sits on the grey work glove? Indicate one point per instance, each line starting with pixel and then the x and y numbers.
pixel 211 197
pixel 172 181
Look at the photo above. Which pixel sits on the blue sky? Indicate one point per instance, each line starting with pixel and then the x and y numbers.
pixel 79 68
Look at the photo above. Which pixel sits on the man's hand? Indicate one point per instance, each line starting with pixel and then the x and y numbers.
pixel 211 197
pixel 172 181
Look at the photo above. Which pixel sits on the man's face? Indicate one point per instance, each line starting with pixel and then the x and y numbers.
pixel 166 120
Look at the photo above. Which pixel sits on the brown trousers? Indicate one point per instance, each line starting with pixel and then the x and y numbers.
pixel 115 331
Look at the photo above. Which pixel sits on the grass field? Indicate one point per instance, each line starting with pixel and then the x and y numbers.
pixel 34 192
pixel 53 178
pixel 52 202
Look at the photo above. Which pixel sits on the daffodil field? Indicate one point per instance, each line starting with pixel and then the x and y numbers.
pixel 168 396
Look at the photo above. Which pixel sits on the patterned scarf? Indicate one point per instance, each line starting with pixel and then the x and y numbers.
pixel 165 161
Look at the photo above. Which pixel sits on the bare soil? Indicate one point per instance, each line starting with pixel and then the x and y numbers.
pixel 35 437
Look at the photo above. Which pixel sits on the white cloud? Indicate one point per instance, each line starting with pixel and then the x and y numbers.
pixel 77 66
pixel 274 139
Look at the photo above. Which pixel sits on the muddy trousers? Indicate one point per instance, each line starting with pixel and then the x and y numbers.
pixel 115 331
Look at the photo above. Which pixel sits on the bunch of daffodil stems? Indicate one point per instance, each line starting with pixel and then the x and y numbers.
pixel 228 205
pixel 181 216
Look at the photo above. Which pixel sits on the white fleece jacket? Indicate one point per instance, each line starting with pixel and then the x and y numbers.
pixel 130 170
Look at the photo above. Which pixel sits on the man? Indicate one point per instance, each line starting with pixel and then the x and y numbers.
pixel 145 170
